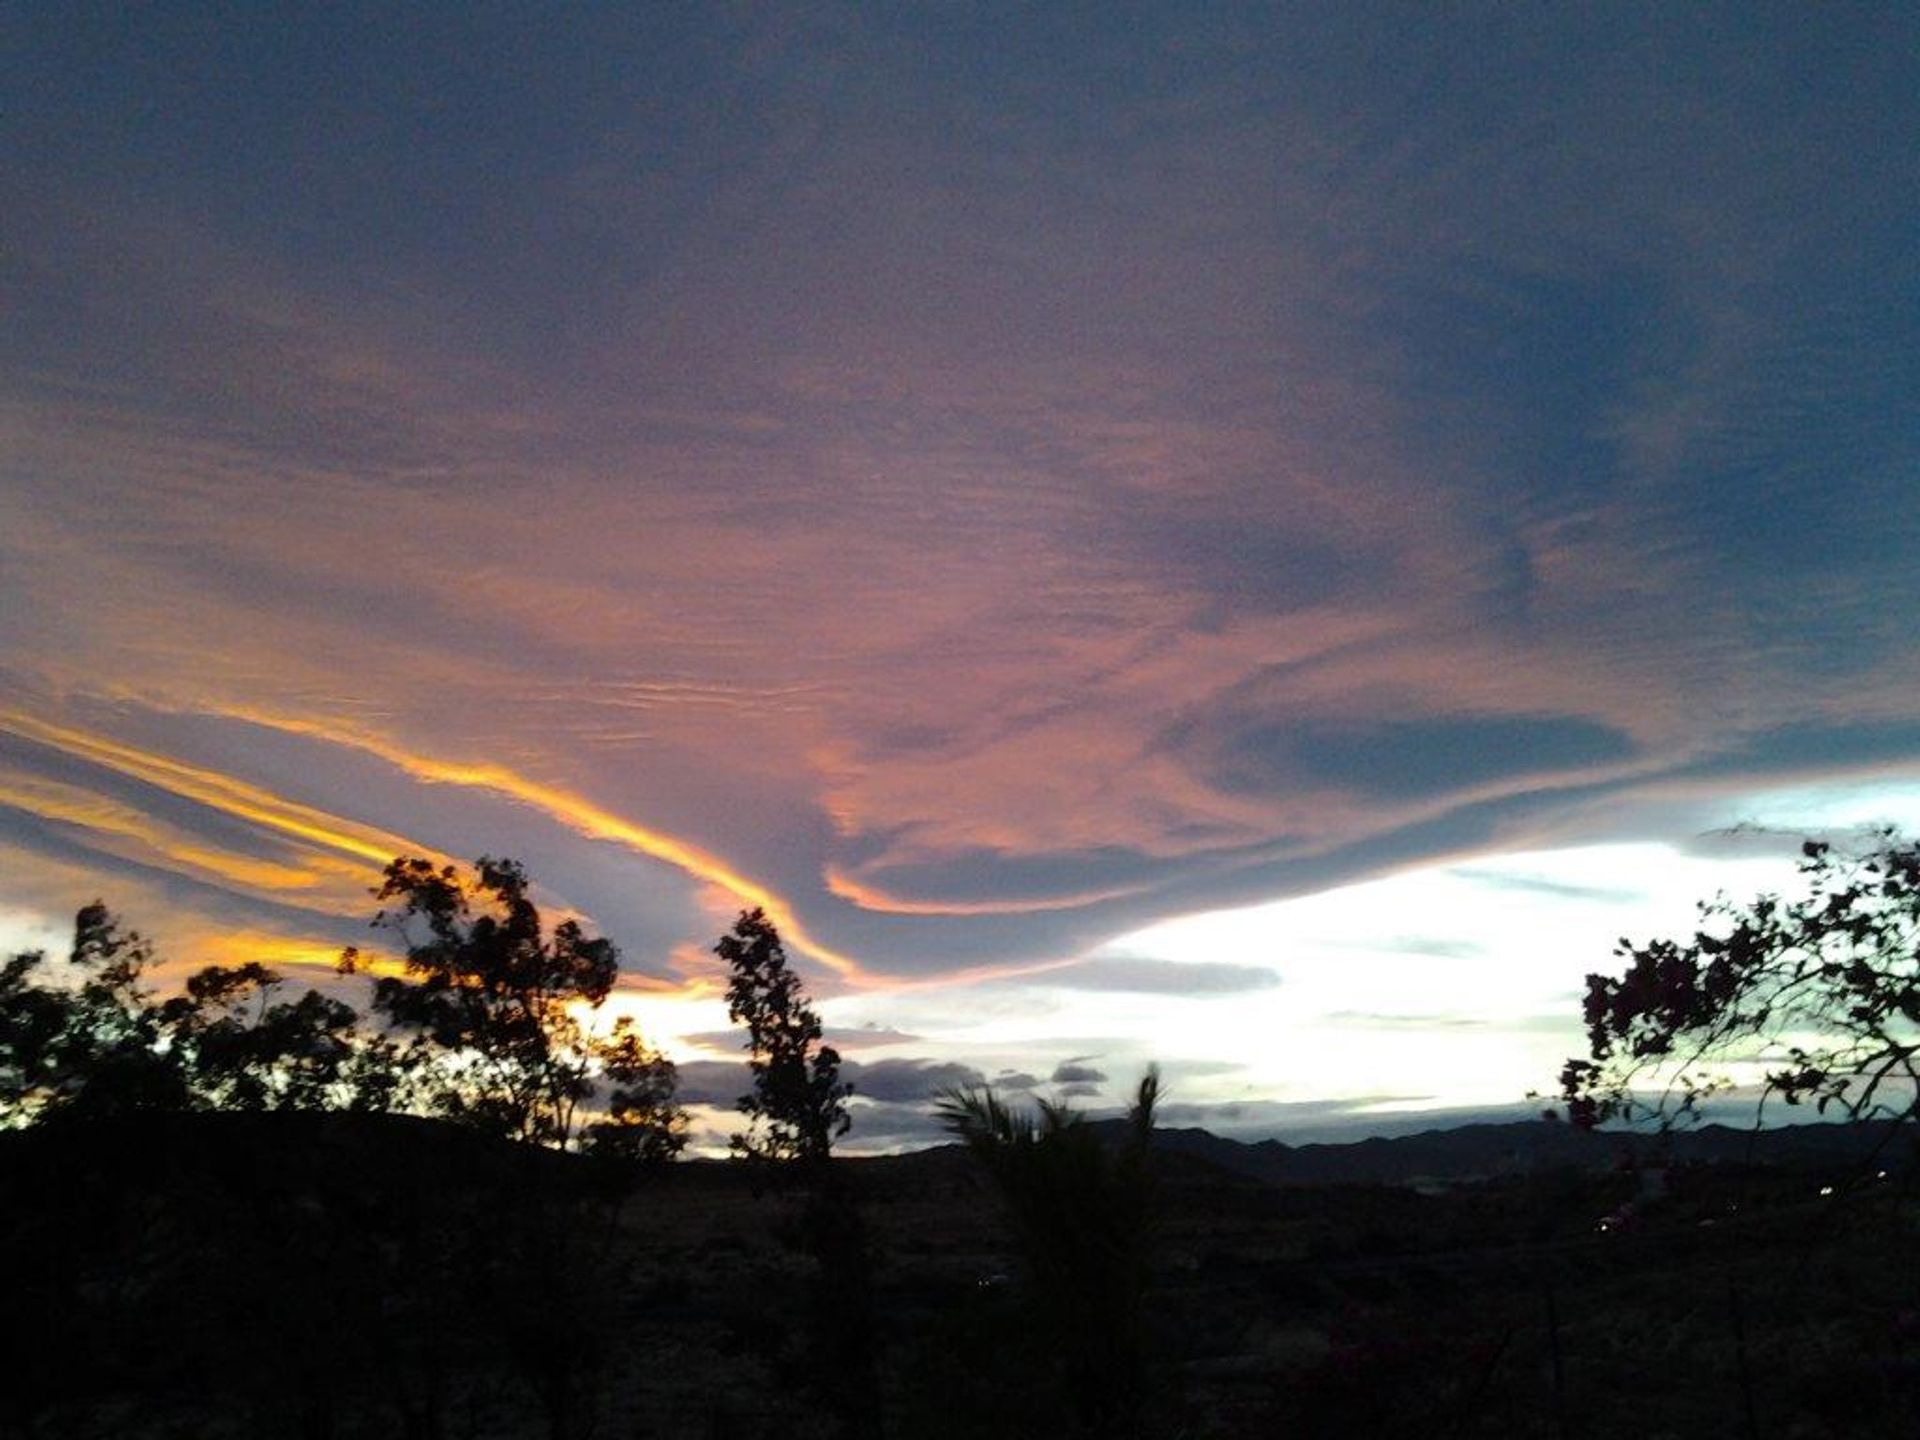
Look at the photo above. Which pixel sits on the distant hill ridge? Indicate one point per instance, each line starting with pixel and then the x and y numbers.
pixel 1487 1151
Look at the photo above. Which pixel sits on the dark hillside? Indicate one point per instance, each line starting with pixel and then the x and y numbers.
pixel 337 1276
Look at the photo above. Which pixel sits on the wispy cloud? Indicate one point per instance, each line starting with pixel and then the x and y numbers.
pixel 1161 977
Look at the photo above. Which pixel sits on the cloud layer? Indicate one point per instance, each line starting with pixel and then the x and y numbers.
pixel 973 489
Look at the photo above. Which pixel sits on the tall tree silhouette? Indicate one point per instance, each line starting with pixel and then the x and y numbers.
pixel 797 1107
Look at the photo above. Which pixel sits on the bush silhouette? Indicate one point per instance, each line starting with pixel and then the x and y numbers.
pixel 1081 1209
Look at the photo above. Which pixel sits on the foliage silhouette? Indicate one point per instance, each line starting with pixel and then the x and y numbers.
pixel 796 1109
pixel 643 1125
pixel 492 999
pixel 492 1002
pixel 91 1039
pixel 95 1041
pixel 244 1050
pixel 91 1047
pixel 1081 1210
pixel 798 1105
pixel 1823 988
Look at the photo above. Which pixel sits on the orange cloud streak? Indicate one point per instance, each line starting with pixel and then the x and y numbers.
pixel 250 802
pixel 840 883
pixel 288 952
pixel 214 790
pixel 574 811
pixel 119 828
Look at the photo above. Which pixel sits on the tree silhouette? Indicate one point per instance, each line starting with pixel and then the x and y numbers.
pixel 245 1050
pixel 1081 1209
pixel 798 1105
pixel 438 1257
pixel 485 1027
pixel 495 998
pixel 796 1109
pixel 31 1021
pixel 644 1126
pixel 93 1046
pixel 91 1039
pixel 1823 988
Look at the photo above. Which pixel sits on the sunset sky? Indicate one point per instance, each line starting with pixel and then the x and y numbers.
pixel 1257 537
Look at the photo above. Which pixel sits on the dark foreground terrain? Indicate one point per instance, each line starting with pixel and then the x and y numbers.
pixel 312 1276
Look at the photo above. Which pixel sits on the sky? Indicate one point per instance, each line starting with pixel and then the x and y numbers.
pixel 1258 538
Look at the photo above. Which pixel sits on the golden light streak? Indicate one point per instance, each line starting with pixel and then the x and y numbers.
pixel 106 821
pixel 575 812
pixel 235 797
pixel 284 952
pixel 214 790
